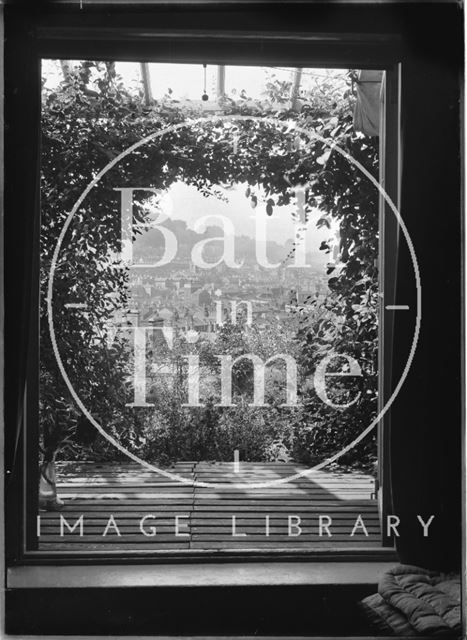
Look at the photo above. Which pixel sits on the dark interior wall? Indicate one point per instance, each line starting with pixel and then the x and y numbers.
pixel 252 611
pixel 426 418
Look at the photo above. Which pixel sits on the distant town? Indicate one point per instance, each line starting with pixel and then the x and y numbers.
pixel 181 295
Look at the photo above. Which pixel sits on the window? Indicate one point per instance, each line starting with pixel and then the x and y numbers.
pixel 210 309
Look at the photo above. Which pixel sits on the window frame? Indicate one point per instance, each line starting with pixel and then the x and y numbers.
pixel 169 44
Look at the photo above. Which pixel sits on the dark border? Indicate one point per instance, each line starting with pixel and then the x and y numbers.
pixel 430 202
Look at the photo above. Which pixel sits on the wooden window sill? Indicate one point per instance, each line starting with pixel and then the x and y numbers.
pixel 194 575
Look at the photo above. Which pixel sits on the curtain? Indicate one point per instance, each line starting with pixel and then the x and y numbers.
pixel 368 99
pixel 426 418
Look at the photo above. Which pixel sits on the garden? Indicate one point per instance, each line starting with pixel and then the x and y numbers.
pixel 91 117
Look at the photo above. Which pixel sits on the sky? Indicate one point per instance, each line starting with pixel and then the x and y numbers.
pixel 184 202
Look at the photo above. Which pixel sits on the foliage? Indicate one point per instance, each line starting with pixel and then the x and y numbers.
pixel 83 129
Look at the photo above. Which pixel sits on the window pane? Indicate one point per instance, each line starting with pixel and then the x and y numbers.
pixel 209 309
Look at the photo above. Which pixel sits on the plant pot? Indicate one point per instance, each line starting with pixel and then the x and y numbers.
pixel 48 498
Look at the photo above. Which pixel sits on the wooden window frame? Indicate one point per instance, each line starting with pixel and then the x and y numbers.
pixel 56 37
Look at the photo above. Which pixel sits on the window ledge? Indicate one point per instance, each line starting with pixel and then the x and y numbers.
pixel 221 575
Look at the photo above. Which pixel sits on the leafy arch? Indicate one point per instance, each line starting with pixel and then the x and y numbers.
pixel 84 128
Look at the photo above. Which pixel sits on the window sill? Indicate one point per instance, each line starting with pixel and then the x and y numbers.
pixel 192 575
